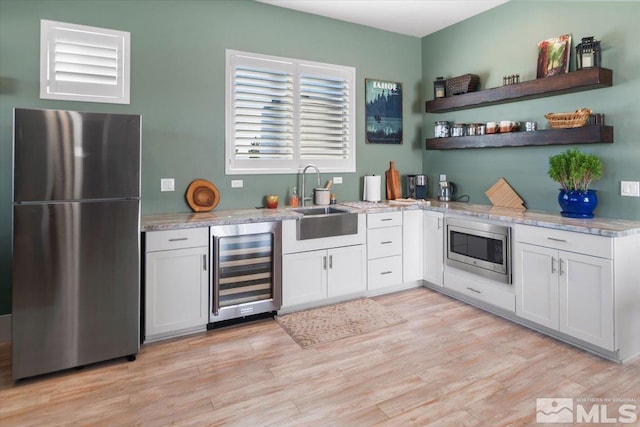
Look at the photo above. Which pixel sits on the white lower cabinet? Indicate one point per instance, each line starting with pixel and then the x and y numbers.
pixel 566 291
pixel 384 251
pixel 176 282
pixel 346 271
pixel 304 277
pixel 433 247
pixel 586 299
pixel 310 277
pixel 537 285
pixel 412 245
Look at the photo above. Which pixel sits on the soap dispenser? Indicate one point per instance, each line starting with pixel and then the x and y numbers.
pixel 294 200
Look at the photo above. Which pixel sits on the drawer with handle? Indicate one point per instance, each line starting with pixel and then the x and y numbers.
pixel 384 272
pixel 588 244
pixel 176 239
pixel 480 290
pixel 384 242
pixel 387 219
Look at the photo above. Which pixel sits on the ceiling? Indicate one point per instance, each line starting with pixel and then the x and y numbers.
pixel 416 18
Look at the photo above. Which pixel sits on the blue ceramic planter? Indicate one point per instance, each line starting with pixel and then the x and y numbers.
pixel 577 203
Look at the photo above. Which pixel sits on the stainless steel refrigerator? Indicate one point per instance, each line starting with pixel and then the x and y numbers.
pixel 76 240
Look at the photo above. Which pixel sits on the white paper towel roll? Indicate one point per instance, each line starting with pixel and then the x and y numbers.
pixel 372 191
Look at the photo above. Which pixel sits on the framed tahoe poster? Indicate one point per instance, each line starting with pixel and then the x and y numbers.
pixel 383 111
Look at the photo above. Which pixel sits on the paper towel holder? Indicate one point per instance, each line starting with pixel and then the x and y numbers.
pixel 372 194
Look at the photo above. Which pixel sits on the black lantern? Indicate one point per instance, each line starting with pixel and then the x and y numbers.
pixel 587 53
pixel 438 88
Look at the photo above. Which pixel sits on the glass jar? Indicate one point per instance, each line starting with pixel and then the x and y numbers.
pixel 458 129
pixel 475 129
pixel 442 129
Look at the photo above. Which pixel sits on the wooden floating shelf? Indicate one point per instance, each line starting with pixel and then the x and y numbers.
pixel 575 81
pixel 581 135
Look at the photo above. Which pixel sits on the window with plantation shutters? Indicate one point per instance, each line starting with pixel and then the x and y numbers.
pixel 282 114
pixel 81 63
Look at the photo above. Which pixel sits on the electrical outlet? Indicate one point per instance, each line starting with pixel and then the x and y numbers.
pixel 337 180
pixel 167 184
pixel 630 188
pixel 237 183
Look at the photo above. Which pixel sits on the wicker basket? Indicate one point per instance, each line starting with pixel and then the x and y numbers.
pixel 462 84
pixel 569 120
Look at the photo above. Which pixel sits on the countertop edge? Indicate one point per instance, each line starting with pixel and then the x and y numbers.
pixel 605 227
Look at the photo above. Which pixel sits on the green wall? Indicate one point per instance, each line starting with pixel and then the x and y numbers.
pixel 503 41
pixel 177 84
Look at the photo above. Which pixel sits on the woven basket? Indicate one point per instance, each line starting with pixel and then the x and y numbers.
pixel 462 84
pixel 568 120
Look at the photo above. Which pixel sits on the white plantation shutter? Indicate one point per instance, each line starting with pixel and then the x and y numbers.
pixel 263 114
pixel 324 115
pixel 282 114
pixel 83 63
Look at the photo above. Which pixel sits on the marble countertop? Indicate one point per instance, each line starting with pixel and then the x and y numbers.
pixel 598 226
pixel 173 221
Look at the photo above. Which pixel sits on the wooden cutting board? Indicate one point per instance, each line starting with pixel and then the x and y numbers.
pixel 392 177
pixel 501 194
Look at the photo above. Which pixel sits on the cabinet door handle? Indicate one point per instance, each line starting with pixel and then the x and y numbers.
pixel 204 262
pixel 556 240
pixel 324 262
pixel 386 272
pixel 330 261
pixel 474 290
pixel 386 219
pixel 553 264
pixel 386 242
pixel 561 261
pixel 177 239
pixel 439 223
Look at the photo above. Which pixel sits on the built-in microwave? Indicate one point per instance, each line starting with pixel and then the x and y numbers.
pixel 479 247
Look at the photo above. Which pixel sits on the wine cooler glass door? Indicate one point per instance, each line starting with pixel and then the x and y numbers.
pixel 246 273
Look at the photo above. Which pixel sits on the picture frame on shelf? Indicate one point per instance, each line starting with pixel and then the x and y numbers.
pixel 553 56
pixel 383 111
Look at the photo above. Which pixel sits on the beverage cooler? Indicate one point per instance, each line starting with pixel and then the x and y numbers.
pixel 246 274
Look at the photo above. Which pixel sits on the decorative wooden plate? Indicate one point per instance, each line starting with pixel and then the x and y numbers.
pixel 202 195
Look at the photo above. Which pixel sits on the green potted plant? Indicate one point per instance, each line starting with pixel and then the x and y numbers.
pixel 574 171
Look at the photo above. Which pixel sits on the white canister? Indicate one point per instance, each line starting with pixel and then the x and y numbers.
pixel 322 196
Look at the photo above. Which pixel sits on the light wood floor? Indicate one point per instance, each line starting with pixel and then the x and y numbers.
pixel 449 365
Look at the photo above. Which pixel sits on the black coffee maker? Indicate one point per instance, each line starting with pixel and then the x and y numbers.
pixel 416 187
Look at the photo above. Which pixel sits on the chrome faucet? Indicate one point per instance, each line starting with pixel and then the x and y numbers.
pixel 304 199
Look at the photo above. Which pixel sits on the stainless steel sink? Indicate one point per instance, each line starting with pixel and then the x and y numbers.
pixel 327 210
pixel 327 221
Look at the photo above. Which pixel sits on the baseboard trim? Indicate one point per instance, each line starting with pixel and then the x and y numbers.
pixel 5 327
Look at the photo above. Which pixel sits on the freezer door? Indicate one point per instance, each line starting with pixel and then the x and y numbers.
pixel 67 155
pixel 76 284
